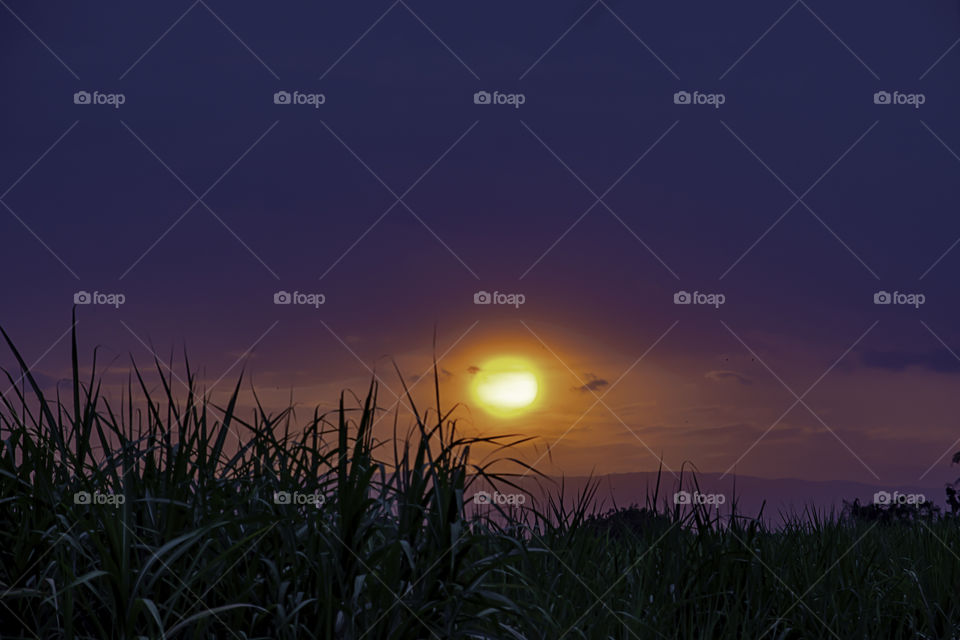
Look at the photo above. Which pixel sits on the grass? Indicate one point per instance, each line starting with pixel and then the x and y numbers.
pixel 204 545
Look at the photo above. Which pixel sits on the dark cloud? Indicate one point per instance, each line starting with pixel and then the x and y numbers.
pixel 473 369
pixel 593 383
pixel 722 376
pixel 939 361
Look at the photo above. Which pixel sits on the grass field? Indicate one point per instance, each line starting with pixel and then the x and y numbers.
pixel 168 516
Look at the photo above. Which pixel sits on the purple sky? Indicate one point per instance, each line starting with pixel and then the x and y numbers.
pixel 598 199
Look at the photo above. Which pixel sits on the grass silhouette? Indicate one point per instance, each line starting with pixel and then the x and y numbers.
pixel 170 516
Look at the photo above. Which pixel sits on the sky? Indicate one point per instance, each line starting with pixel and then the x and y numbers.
pixel 786 161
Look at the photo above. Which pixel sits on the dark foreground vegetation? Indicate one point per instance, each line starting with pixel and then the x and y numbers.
pixel 168 516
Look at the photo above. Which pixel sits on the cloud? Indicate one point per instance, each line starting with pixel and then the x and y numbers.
pixel 724 376
pixel 593 383
pixel 938 361
pixel 473 369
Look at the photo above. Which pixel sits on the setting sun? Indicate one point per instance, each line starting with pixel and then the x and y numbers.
pixel 505 386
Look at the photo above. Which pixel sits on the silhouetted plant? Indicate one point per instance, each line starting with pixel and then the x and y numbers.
pixel 953 496
pixel 890 513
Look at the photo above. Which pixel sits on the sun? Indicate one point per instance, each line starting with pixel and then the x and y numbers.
pixel 506 386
